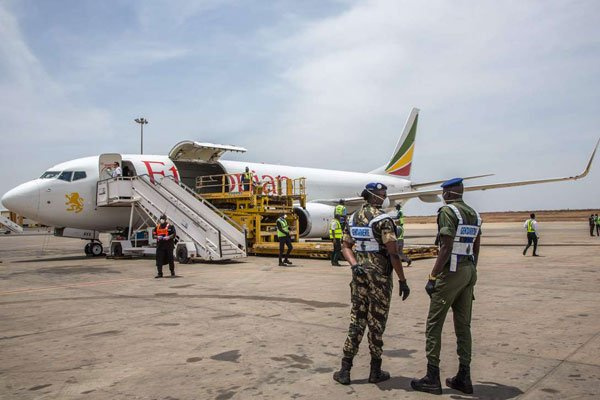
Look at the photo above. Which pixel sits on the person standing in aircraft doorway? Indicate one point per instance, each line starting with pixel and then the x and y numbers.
pixel 116 170
pixel 165 243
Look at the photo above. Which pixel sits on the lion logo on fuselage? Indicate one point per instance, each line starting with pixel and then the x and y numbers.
pixel 74 202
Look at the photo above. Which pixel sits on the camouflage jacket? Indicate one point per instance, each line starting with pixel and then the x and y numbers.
pixel 384 232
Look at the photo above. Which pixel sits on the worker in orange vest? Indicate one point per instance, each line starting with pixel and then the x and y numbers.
pixel 165 243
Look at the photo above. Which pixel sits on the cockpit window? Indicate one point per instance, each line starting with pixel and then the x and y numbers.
pixel 77 175
pixel 50 174
pixel 66 176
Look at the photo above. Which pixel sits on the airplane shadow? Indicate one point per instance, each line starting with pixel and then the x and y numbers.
pixel 61 258
pixel 481 390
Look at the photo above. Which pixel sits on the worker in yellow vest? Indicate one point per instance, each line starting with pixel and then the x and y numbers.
pixel 597 225
pixel 532 236
pixel 341 212
pixel 247 178
pixel 283 235
pixel 335 234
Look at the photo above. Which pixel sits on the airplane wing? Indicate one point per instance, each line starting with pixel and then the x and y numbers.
pixel 428 195
pixel 418 185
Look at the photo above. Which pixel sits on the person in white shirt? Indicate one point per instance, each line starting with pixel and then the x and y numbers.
pixel 116 171
pixel 532 234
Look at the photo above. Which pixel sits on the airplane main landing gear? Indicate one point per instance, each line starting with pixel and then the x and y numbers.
pixel 93 249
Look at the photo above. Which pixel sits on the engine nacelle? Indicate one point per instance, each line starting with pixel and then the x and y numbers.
pixel 314 220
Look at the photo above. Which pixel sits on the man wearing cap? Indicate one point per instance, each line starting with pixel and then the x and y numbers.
pixel 165 242
pixel 373 235
pixel 450 285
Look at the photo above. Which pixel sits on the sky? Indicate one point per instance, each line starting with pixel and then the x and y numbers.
pixel 510 88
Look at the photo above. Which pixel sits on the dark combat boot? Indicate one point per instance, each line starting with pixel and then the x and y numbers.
pixel 343 375
pixel 430 383
pixel 377 375
pixel 462 380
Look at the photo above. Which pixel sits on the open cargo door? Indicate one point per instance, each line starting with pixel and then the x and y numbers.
pixel 190 151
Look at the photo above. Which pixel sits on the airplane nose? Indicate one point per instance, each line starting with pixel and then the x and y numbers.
pixel 24 199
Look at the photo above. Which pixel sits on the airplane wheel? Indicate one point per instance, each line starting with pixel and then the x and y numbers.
pixel 88 249
pixel 182 255
pixel 117 250
pixel 96 249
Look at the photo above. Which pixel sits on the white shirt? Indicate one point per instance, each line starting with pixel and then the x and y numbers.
pixel 534 225
pixel 117 172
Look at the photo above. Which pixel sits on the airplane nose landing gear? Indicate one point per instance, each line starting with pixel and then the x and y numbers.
pixel 93 249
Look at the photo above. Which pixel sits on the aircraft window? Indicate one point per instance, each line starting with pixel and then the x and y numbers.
pixel 50 174
pixel 66 176
pixel 77 175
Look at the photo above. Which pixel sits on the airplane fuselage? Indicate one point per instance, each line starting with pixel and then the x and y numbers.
pixel 72 203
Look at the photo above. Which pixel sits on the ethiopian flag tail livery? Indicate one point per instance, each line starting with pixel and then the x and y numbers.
pixel 400 163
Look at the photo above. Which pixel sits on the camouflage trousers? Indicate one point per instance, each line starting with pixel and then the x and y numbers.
pixel 371 295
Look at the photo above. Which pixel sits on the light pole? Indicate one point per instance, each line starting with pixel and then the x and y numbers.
pixel 142 121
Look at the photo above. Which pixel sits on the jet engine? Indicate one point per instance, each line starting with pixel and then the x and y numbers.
pixel 314 220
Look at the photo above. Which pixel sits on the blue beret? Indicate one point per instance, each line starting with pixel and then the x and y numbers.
pixel 376 186
pixel 452 182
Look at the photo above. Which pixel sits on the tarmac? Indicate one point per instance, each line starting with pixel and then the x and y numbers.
pixel 75 327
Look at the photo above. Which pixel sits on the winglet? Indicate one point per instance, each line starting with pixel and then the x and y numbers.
pixel 589 164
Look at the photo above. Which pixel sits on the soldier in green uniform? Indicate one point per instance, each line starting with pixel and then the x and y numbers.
pixel 451 284
pixel 400 230
pixel 373 234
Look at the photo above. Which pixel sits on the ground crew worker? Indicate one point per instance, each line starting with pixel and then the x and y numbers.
pixel 592 222
pixel 532 236
pixel 283 235
pixel 376 252
pixel 597 225
pixel 247 179
pixel 451 284
pixel 400 230
pixel 165 242
pixel 341 211
pixel 335 234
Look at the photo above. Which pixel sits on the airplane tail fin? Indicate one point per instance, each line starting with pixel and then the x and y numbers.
pixel 400 164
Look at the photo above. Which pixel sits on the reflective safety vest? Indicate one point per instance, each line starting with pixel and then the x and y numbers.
pixel 597 220
pixel 530 228
pixel 284 230
pixel 340 210
pixel 335 229
pixel 162 231
pixel 363 235
pixel 248 176
pixel 464 239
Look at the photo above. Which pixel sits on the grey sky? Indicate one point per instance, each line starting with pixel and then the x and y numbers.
pixel 504 87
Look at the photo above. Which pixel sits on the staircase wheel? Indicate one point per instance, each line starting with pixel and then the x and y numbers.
pixel 182 255
pixel 117 250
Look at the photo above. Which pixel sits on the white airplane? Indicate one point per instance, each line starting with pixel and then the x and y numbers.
pixel 65 195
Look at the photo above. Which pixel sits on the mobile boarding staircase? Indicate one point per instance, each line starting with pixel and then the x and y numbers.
pixel 203 231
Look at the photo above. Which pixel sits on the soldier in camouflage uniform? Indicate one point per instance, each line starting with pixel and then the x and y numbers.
pixel 373 234
pixel 450 285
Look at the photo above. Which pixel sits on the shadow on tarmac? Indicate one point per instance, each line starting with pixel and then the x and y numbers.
pixel 481 390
